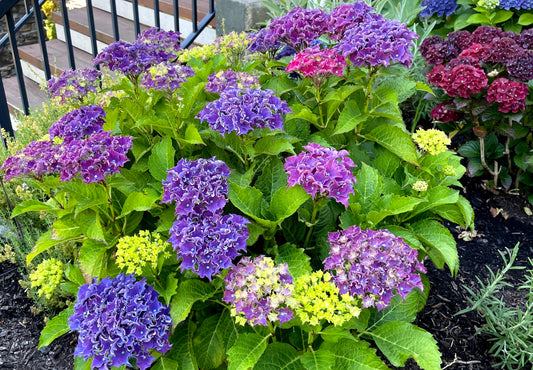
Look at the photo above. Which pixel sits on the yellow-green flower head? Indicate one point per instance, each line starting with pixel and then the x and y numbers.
pixel 232 42
pixel 316 298
pixel 420 186
pixel 449 170
pixel 160 69
pixel 204 53
pixel 135 252
pixel 487 4
pixel 47 277
pixel 432 141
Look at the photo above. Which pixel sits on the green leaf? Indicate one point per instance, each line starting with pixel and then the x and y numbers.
pixel 501 16
pixel 280 356
pixel 74 274
pixel 90 225
pixel 436 196
pixel 42 244
pixel 92 259
pixel 182 346
pixel 189 291
pixel 171 285
pixel 354 354
pixel 420 86
pixel 32 205
pixel 192 136
pixel 296 258
pixel 396 140
pixel 451 212
pixel 140 201
pixel 65 228
pixel 286 202
pixel 300 111
pixel 81 364
pixel 55 327
pixel 368 187
pixel 162 158
pixel 318 360
pixel 467 211
pixel 272 178
pixel 273 145
pixel 247 199
pixel 335 333
pixel 392 204
pixel 439 242
pixel 165 364
pixel 386 162
pixel 525 19
pixel 400 341
pixel 209 344
pixel 350 117
pixel 478 18
pixel 406 235
pixel 246 351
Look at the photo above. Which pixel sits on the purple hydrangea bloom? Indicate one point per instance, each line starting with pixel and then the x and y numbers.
pixel 461 39
pixel 74 84
pixel 164 44
pixel 222 80
pixel 520 66
pixel 259 291
pixel 516 4
pixel 79 123
pixel 242 110
pixel 166 76
pixel 437 51
pixel 208 243
pixel 259 44
pixel 378 41
pixel 36 160
pixel 93 158
pixel 375 265
pixel 120 319
pixel 439 7
pixel 322 172
pixel 197 186
pixel 484 35
pixel 298 28
pixel 346 16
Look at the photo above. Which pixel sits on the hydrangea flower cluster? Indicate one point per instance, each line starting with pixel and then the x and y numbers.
pixel 345 16
pixel 432 141
pixel 72 85
pixel 120 319
pixel 322 172
pixel 259 291
pixel 377 41
pixel 317 63
pixel 137 251
pixel 203 238
pixel 47 276
pixel 420 186
pixel 298 28
pixel 449 170
pixel 222 80
pixel 375 265
pixel 516 4
pixel 258 43
pixel 166 76
pixel 443 112
pixel 511 95
pixel 79 123
pixel 316 298
pixel 197 186
pixel 487 4
pixel 36 160
pixel 152 47
pixel 233 45
pixel 438 7
pixel 204 53
pixel 463 80
pixel 243 110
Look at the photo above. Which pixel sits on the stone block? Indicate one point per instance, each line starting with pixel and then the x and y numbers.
pixel 239 15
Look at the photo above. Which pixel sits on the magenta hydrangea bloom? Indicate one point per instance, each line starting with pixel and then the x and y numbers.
pixel 378 41
pixel 242 110
pixel 259 291
pixel 346 16
pixel 442 113
pixel 484 35
pixel 208 243
pixel 298 28
pixel 520 66
pixel 222 80
pixel 317 63
pixel 438 7
pixel 511 95
pixel 74 84
pixel 93 158
pixel 120 319
pixel 322 172
pixel 501 50
pixel 461 39
pixel 166 76
pixel 465 80
pixel 36 160
pixel 79 123
pixel 375 265
pixel 197 186
pixel 437 51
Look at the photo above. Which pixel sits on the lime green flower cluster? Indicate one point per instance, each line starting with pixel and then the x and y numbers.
pixel 316 298
pixel 135 252
pixel 233 45
pixel 449 170
pixel 432 141
pixel 488 4
pixel 47 277
pixel 420 186
pixel 204 53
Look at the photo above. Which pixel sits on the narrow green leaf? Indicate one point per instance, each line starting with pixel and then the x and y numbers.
pixel 189 291
pixel 279 356
pixel 396 140
pixel 209 344
pixel 285 202
pixel 55 327
pixel 162 158
pixel 246 351
pixel 140 201
pixel 354 354
pixel 298 261
pixel 400 341
pixel 321 359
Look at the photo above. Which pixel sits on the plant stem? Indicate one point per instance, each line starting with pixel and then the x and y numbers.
pixel 313 220
pixel 368 91
pixel 319 102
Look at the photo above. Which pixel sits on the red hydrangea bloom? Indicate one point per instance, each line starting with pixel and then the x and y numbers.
pixel 443 114
pixel 501 49
pixel 486 34
pixel 461 39
pixel 465 80
pixel 510 94
pixel 437 76
pixel 437 51
pixel 477 51
pixel 470 61
pixel 317 64
pixel 520 66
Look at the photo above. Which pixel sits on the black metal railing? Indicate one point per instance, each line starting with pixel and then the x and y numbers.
pixel 34 10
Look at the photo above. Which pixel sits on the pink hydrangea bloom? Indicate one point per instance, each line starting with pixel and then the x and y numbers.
pixel 317 64
pixel 510 94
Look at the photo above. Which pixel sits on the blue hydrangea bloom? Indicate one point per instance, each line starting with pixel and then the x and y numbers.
pixel 120 319
pixel 438 7
pixel 516 4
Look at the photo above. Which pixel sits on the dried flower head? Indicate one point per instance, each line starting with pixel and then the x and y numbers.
pixel 259 291
pixel 137 251
pixel 432 141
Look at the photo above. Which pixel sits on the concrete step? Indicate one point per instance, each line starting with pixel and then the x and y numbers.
pixel 36 95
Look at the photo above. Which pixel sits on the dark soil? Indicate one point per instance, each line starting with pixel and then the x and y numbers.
pixel 501 221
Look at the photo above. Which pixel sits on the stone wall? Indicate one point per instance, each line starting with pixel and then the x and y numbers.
pixel 26 35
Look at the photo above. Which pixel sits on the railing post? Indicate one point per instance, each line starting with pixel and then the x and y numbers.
pixel 16 58
pixel 5 119
pixel 42 39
